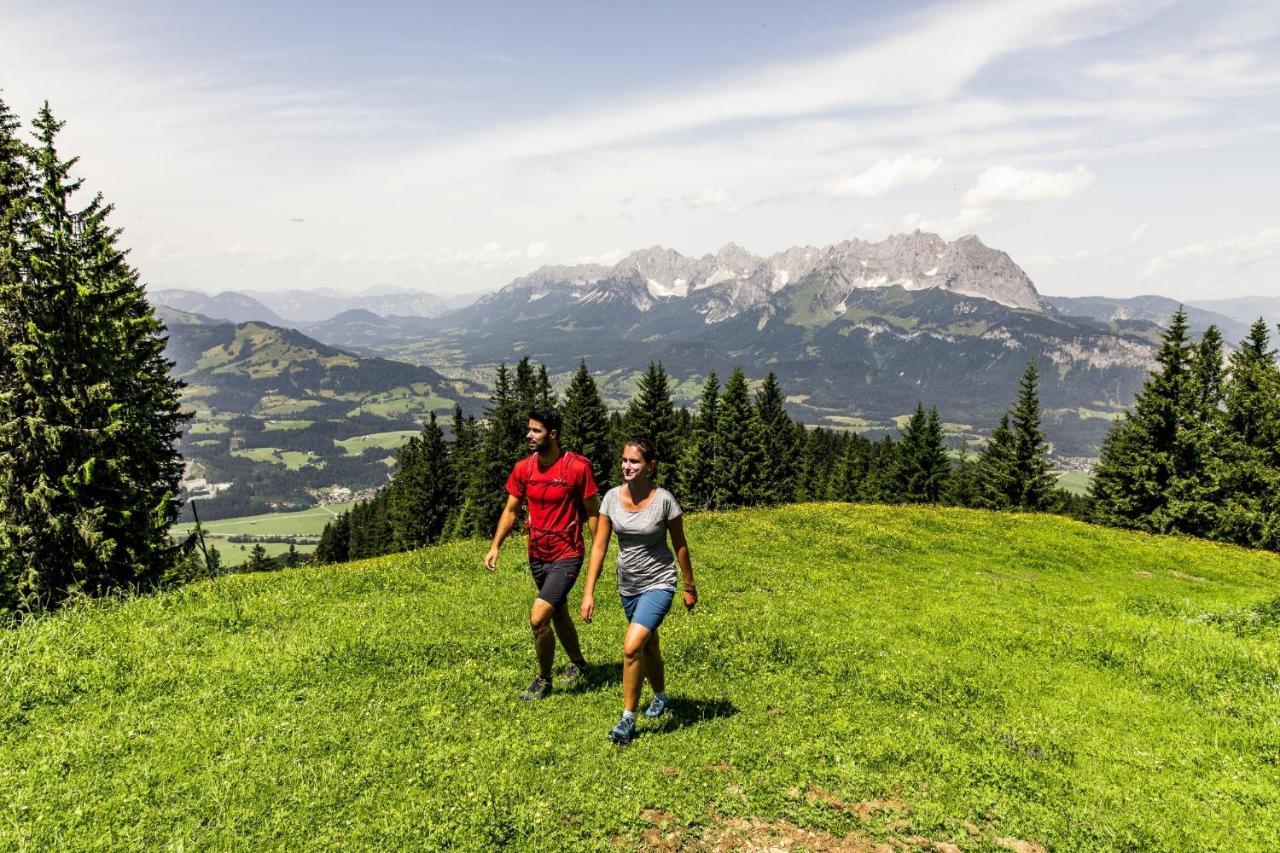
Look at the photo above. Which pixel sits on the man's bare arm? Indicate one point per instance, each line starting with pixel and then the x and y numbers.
pixel 506 521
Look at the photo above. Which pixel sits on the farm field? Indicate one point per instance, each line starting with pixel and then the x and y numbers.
pixel 308 522
pixel 854 676
pixel 392 440
pixel 1075 482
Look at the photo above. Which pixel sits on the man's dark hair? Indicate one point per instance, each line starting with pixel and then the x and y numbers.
pixel 548 416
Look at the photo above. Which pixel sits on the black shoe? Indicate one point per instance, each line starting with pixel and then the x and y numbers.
pixel 538 689
pixel 575 671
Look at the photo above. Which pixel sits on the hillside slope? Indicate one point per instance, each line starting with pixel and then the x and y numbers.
pixel 854 675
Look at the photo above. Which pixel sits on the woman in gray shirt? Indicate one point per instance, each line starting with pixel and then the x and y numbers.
pixel 642 515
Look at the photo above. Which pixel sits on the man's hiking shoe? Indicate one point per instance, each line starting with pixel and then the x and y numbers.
pixel 537 690
pixel 574 671
pixel 657 707
pixel 624 731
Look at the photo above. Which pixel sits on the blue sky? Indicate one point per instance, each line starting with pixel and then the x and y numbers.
pixel 1111 148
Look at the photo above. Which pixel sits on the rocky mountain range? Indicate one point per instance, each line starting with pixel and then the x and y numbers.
pixel 857 332
pixel 1156 310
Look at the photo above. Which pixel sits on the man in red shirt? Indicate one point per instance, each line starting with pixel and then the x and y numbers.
pixel 560 492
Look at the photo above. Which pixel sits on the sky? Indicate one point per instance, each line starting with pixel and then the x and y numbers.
pixel 1111 148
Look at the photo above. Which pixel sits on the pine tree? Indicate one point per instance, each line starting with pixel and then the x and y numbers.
pixel 335 541
pixel 1147 450
pixel 1196 494
pixel 997 473
pixel 424 491
pixel 501 447
pixel 651 414
pixel 89 415
pixel 696 473
pixel 1250 463
pixel 881 481
pixel 464 452
pixel 739 450
pixel 922 460
pixel 1033 484
pixel 292 558
pixel 780 463
pixel 586 424
pixel 544 393
pixel 526 387
pixel 258 560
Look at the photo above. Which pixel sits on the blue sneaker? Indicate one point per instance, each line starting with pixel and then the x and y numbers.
pixel 657 707
pixel 537 690
pixel 624 731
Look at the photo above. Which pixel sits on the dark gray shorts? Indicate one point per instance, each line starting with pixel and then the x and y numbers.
pixel 555 579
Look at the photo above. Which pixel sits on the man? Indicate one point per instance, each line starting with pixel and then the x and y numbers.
pixel 560 492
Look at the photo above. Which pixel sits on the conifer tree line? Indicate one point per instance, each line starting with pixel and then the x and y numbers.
pixel 1199 451
pixel 89 415
pixel 738 449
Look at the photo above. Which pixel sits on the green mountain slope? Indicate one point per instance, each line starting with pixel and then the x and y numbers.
pixel 854 674
pixel 276 413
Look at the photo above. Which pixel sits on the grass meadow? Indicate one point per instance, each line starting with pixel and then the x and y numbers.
pixel 854 676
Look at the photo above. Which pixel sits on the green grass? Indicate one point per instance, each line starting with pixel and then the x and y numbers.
pixel 853 672
pixel 235 553
pixel 1075 482
pixel 291 459
pixel 209 428
pixel 286 426
pixel 306 522
pixel 393 440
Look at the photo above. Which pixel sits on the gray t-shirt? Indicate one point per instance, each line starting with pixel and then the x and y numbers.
pixel 645 561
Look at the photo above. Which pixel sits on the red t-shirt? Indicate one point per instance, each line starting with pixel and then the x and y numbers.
pixel 554 495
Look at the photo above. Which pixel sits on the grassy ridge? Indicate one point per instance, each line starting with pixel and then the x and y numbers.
pixel 859 673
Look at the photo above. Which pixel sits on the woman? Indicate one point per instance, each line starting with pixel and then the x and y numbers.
pixel 642 515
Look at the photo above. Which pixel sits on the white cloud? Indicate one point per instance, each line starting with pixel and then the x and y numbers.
pixel 883 176
pixel 1238 252
pixel 1009 184
pixel 1138 234
pixel 968 220
pixel 716 198
pixel 1206 74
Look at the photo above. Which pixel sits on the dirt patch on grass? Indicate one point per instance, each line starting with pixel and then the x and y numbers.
pixel 1186 577
pixel 1017 845
pixel 865 810
pixel 1142 574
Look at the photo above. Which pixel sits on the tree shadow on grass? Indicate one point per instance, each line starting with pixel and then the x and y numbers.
pixel 683 713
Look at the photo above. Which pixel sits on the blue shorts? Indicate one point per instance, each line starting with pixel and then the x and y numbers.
pixel 648 608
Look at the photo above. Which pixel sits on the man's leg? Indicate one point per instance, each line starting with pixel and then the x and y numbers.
pixel 562 620
pixel 544 639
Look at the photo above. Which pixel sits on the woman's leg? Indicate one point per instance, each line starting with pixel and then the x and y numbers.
pixel 653 665
pixel 633 664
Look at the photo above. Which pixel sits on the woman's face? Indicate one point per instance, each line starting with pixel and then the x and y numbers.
pixel 634 466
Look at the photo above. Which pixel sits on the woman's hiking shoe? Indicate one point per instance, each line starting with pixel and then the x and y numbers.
pixel 537 690
pixel 574 671
pixel 657 707
pixel 624 731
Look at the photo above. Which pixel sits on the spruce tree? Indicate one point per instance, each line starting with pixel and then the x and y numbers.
pixel 1148 449
pixel 425 491
pixel 922 459
pixel 585 427
pixel 1196 495
pixel 651 414
pixel 739 450
pixel 997 473
pixel 1033 484
pixel 258 560
pixel 502 445
pixel 335 541
pixel 89 415
pixel 1250 465
pixel 544 393
pixel 780 462
pixel 696 474
pixel 292 558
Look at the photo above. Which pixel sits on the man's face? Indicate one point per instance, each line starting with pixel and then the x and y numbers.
pixel 538 437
